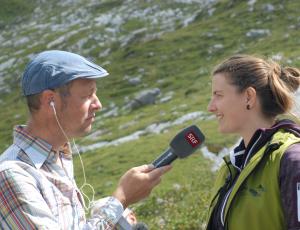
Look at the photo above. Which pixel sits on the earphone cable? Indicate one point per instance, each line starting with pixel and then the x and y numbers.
pixel 85 184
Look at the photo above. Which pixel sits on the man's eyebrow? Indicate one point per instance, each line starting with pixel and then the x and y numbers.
pixel 93 89
pixel 217 91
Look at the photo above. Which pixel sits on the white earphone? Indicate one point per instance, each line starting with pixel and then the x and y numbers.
pixel 54 110
pixel 85 184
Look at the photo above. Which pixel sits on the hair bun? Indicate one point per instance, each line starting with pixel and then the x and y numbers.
pixel 291 77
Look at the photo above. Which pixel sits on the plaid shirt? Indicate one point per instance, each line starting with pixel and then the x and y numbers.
pixel 37 193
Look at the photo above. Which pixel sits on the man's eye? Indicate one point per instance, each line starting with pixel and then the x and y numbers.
pixel 85 96
pixel 217 94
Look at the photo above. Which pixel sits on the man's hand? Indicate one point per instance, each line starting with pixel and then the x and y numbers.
pixel 138 182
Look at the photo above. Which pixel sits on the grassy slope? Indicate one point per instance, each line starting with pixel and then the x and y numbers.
pixel 178 58
pixel 11 8
pixel 183 59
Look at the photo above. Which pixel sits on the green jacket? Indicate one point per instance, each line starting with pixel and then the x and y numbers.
pixel 254 202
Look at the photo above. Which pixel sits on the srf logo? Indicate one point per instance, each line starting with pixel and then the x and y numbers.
pixel 192 139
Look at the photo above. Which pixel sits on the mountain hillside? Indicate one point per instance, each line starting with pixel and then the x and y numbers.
pixel 159 54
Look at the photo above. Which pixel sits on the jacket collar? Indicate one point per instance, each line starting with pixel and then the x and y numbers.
pixel 241 154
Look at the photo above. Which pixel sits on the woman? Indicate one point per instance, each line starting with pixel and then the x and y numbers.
pixel 258 187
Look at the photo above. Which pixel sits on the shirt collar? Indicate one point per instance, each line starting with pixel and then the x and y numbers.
pixel 36 149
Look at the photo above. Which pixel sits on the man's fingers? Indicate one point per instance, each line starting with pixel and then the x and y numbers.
pixel 145 168
pixel 158 172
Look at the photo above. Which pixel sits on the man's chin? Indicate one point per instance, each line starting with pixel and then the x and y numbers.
pixel 88 131
pixel 84 132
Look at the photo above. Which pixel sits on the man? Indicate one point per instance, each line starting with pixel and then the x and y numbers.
pixel 37 187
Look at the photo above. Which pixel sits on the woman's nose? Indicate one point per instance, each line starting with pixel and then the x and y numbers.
pixel 211 107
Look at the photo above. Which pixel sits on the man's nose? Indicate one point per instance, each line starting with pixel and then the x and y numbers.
pixel 97 104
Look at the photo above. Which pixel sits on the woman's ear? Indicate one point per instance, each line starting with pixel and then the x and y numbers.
pixel 250 94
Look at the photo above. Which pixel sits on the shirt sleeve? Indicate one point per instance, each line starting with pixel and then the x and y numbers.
pixel 105 214
pixel 289 181
pixel 22 206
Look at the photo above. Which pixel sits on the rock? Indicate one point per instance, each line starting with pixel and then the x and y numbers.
pixel 167 97
pixel 95 135
pixel 21 41
pixel 134 35
pixel 7 64
pixel 145 97
pixel 215 48
pixel 211 11
pixel 209 34
pixel 269 8
pixel 112 113
pixel 251 5
pixel 277 57
pixel 104 53
pixel 258 33
pixel 134 81
pixel 127 125
pixel 218 46
pixel 190 19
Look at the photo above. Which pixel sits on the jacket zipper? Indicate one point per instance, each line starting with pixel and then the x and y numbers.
pixel 272 148
pixel 230 190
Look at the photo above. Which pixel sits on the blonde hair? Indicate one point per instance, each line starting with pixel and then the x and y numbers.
pixel 274 84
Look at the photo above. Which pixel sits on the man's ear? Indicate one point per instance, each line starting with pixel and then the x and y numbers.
pixel 250 94
pixel 47 97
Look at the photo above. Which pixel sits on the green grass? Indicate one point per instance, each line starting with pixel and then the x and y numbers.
pixel 15 10
pixel 180 61
pixel 176 196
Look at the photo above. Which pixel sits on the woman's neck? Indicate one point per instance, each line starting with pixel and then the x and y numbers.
pixel 253 126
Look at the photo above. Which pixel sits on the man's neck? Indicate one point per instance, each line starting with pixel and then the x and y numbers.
pixel 47 131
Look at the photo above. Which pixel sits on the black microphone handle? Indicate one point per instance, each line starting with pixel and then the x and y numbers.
pixel 140 226
pixel 164 159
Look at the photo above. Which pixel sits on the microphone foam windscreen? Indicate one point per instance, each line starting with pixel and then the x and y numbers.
pixel 187 141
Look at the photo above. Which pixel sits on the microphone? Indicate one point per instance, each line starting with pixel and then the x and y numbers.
pixel 183 144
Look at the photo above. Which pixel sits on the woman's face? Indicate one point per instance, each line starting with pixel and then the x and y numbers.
pixel 228 105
